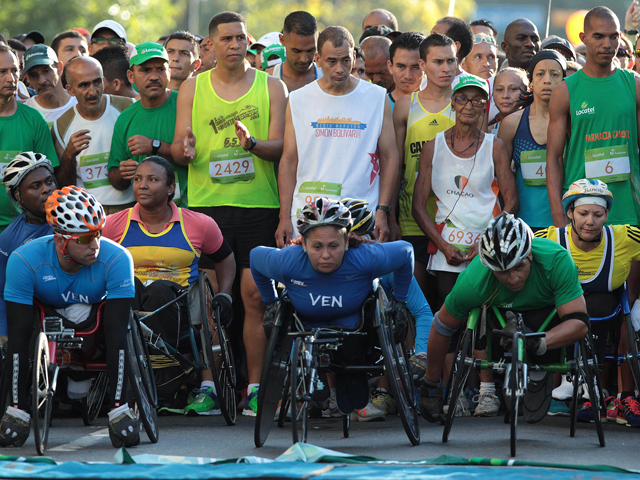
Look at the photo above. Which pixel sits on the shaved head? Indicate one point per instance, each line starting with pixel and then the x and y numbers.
pixel 601 13
pixel 514 27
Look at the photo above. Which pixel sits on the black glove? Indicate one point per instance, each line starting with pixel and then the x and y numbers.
pixel 397 312
pixel 534 345
pixel 269 318
pixel 224 301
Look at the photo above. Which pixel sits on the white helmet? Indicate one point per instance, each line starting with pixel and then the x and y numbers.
pixel 20 167
pixel 505 242
pixel 322 212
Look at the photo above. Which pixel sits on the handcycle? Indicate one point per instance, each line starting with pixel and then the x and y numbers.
pixel 584 369
pixel 296 355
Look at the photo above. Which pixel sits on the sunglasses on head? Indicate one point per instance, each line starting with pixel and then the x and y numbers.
pixel 489 40
pixel 85 239
pixel 110 41
pixel 622 52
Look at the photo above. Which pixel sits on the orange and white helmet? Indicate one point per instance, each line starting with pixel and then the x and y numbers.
pixel 74 210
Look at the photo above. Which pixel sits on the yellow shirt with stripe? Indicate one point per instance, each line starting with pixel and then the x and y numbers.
pixel 422 126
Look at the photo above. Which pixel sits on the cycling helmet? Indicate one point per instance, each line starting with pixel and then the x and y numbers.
pixel 505 242
pixel 74 210
pixel 586 188
pixel 323 212
pixel 362 218
pixel 20 166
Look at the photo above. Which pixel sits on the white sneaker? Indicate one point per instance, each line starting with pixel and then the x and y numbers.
pixel 488 405
pixel 333 411
pixel 368 413
pixel 564 391
pixel 462 407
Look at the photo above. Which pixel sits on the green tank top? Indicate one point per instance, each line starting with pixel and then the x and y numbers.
pixel 604 139
pixel 223 173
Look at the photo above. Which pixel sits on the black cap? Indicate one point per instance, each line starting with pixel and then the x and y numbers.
pixel 379 31
pixel 557 43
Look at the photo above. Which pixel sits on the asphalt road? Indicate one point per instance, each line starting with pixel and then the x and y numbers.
pixel 547 441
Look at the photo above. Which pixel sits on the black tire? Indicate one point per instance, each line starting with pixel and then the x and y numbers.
pixel 574 406
pixel 399 376
pixel 42 393
pixel 144 361
pixel 516 381
pixel 300 376
pixel 285 402
pixel 140 370
pixel 217 353
pixel 92 403
pixel 591 375
pixel 346 423
pixel 633 339
pixel 274 374
pixel 459 373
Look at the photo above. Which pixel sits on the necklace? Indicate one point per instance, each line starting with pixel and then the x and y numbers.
pixel 453 144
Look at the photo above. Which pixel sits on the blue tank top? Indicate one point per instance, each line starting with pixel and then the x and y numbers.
pixel 534 199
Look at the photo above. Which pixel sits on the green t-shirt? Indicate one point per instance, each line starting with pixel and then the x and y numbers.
pixel 155 123
pixel 24 131
pixel 553 281
pixel 604 139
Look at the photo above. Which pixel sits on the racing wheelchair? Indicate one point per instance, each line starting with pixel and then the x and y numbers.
pixel 518 369
pixel 296 355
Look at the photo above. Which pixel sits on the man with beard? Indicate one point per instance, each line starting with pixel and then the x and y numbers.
pixel 82 135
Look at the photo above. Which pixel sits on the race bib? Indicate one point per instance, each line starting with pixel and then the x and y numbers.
pixel 311 191
pixel 459 238
pixel 5 159
pixel 609 164
pixel 93 170
pixel 229 165
pixel 533 164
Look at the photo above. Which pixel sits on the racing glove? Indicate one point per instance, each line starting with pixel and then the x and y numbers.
pixel 269 318
pixel 224 301
pixel 398 313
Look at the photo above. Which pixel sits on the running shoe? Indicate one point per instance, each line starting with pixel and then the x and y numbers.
pixel 205 403
pixel 431 400
pixel 488 405
pixel 462 407
pixel 14 429
pixel 629 412
pixel 367 414
pixel 124 427
pixel 251 403
pixel 585 414
pixel 383 401
pixel 564 391
pixel 333 411
pixel 559 408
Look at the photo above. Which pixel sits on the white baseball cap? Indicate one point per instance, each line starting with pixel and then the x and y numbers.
pixel 267 39
pixel 112 25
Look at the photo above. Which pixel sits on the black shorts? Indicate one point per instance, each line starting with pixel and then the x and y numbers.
pixel 243 229
pixel 420 244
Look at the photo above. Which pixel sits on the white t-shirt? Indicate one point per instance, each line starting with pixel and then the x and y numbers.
pixel 337 140
pixel 91 164
pixel 51 114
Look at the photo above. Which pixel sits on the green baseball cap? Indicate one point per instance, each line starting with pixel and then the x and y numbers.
pixel 146 51
pixel 273 55
pixel 39 54
pixel 469 80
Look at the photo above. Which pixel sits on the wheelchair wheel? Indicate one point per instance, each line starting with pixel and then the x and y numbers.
pixel 300 375
pixel 516 383
pixel 591 377
pixel 399 377
pixel 274 374
pixel 459 374
pixel 218 354
pixel 574 406
pixel 92 403
pixel 140 372
pixel 285 402
pixel 346 423
pixel 633 339
pixel 42 393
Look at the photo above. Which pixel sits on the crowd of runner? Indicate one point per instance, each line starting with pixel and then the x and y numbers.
pixel 232 138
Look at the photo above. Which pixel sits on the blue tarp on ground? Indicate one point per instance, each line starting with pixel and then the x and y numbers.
pixel 302 461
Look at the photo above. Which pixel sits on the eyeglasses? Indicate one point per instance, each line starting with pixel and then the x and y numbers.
pixel 485 39
pixel 83 239
pixel 111 41
pixel 476 102
pixel 637 53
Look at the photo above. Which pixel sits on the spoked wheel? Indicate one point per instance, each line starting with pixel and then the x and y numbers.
pixel 591 375
pixel 285 402
pixel 274 373
pixel 399 377
pixel 516 381
pixel 459 374
pixel 92 403
pixel 300 375
pixel 346 423
pixel 218 354
pixel 633 340
pixel 42 393
pixel 141 380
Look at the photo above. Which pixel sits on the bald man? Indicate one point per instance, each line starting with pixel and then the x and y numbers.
pixel 82 135
pixel 521 43
pixel 376 58
pixel 380 16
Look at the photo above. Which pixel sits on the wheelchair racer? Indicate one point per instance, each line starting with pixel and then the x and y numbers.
pixel 603 255
pixel 328 273
pixel 514 271
pixel 69 272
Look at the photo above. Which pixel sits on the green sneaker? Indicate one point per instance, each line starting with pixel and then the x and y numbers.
pixel 251 403
pixel 205 403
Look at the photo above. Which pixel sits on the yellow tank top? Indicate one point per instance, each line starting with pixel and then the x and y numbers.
pixel 422 126
pixel 223 173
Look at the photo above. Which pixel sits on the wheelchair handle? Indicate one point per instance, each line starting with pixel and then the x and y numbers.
pixel 534 335
pixel 500 333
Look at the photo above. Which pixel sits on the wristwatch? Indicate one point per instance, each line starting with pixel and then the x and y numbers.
pixel 385 208
pixel 253 141
pixel 155 146
pixel 631 32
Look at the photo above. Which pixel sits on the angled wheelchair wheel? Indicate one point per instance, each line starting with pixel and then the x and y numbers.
pixel 591 376
pixel 92 403
pixel 516 383
pixel 285 402
pixel 300 374
pixel 217 353
pixel 633 340
pixel 274 374
pixel 141 380
pixel 42 393
pixel 574 405
pixel 346 423
pixel 459 373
